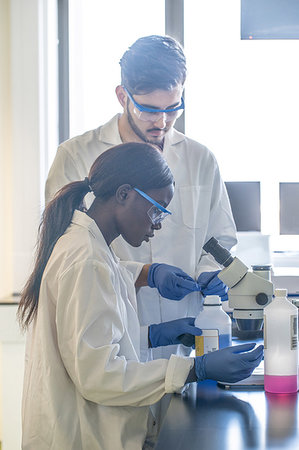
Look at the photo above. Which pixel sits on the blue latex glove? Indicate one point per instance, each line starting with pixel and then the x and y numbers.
pixel 229 364
pixel 180 331
pixel 210 284
pixel 170 281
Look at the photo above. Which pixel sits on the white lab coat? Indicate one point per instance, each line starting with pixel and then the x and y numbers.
pixel 84 386
pixel 200 209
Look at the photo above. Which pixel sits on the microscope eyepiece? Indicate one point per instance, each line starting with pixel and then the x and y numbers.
pixel 221 254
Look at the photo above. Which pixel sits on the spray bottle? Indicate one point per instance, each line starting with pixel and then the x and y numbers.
pixel 216 327
pixel 281 344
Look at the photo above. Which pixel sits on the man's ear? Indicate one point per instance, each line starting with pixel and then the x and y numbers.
pixel 121 95
pixel 123 193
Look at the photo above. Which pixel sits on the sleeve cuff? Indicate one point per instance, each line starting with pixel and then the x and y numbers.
pixel 145 352
pixel 177 373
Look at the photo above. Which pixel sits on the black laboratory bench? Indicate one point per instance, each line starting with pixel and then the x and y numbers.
pixel 209 416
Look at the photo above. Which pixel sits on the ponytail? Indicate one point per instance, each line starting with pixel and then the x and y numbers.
pixel 134 163
pixel 55 220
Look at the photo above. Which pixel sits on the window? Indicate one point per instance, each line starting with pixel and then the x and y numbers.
pixel 269 19
pixel 244 197
pixel 242 101
pixel 98 37
pixel 289 208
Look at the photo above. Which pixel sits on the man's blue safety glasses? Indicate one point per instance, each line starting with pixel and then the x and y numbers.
pixel 154 115
pixel 157 212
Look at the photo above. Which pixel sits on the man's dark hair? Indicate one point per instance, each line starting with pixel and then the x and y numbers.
pixel 153 62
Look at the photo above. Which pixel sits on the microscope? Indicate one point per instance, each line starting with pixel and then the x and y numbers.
pixel 249 291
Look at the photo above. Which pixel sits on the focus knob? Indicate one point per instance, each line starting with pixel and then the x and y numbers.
pixel 261 298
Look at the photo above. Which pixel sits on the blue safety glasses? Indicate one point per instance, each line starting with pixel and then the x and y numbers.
pixel 157 212
pixel 154 115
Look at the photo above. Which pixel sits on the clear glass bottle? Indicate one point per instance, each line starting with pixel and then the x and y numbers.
pixel 281 344
pixel 216 326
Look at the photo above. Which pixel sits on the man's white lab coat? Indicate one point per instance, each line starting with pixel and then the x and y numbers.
pixel 200 209
pixel 84 385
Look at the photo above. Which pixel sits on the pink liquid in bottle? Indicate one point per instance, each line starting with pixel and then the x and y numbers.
pixel 281 384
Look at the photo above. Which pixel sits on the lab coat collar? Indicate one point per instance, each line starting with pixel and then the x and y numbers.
pixel 173 137
pixel 81 219
pixel 109 133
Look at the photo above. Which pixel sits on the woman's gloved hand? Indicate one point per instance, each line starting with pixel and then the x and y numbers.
pixel 170 281
pixel 229 364
pixel 210 284
pixel 180 331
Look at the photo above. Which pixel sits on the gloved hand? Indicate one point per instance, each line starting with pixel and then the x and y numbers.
pixel 170 281
pixel 210 284
pixel 180 331
pixel 229 364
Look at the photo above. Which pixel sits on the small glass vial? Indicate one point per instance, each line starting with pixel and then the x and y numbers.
pixel 216 327
pixel 281 345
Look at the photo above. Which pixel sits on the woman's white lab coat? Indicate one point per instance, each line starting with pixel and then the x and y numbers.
pixel 84 387
pixel 200 209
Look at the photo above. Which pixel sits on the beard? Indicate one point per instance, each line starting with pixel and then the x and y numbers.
pixel 140 134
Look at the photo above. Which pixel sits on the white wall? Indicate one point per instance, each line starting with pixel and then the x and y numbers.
pixel 25 125
pixel 5 153
pixel 23 134
pixel 12 350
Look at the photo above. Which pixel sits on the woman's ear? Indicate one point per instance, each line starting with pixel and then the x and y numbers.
pixel 123 193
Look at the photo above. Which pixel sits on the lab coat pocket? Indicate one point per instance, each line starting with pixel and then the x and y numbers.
pixel 195 205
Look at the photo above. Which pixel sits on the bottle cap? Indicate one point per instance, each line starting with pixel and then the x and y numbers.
pixel 212 300
pixel 280 292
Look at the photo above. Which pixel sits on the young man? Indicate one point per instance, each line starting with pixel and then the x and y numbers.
pixel 153 72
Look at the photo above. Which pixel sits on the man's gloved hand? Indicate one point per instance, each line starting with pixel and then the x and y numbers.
pixel 210 284
pixel 170 281
pixel 229 364
pixel 180 331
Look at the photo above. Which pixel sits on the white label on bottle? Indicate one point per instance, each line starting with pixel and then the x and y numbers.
pixel 294 332
pixel 207 342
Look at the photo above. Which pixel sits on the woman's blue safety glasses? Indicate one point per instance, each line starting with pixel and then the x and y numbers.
pixel 157 212
pixel 154 115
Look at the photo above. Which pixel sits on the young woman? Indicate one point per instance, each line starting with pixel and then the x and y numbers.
pixel 85 387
